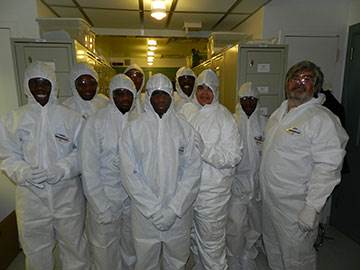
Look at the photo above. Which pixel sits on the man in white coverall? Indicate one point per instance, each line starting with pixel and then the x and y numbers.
pixel 161 165
pixel 185 84
pixel 221 152
pixel 42 159
pixel 302 158
pixel 108 203
pixel 244 226
pixel 85 87
pixel 137 75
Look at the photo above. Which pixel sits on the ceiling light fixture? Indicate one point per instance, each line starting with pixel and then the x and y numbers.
pixel 150 59
pixel 152 48
pixel 152 42
pixel 158 9
pixel 150 53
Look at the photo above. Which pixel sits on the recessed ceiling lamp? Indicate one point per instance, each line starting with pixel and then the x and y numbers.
pixel 150 59
pixel 150 53
pixel 152 48
pixel 152 42
pixel 158 9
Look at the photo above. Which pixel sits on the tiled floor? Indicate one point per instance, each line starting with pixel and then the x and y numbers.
pixel 341 253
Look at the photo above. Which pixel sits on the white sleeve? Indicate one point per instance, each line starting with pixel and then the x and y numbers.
pixel 225 153
pixel 134 179
pixel 90 162
pixel 11 156
pixel 328 150
pixel 188 187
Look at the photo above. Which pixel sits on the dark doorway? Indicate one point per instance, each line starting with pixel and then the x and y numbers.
pixel 345 214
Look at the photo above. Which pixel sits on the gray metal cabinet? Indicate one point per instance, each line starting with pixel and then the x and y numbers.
pixel 264 65
pixel 61 53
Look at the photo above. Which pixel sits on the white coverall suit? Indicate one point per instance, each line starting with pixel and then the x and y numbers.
pixel 108 220
pixel 302 158
pixel 221 153
pixel 244 224
pixel 76 103
pixel 180 97
pixel 161 171
pixel 140 97
pixel 46 137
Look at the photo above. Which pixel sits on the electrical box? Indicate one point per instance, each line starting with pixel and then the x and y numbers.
pixel 263 65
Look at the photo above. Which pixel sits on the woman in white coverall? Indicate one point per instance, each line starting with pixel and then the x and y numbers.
pixel 161 171
pixel 185 85
pixel 301 163
pixel 108 203
pixel 137 75
pixel 85 88
pixel 221 152
pixel 244 226
pixel 42 160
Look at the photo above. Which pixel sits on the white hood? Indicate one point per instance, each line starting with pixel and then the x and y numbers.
pixel 184 71
pixel 79 70
pixel 158 82
pixel 211 80
pixel 136 67
pixel 40 69
pixel 122 81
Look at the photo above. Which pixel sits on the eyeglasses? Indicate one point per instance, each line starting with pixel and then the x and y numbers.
pixel 248 98
pixel 302 79
pixel 86 82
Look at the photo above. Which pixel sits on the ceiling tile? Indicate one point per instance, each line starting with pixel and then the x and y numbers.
pixel 69 3
pixel 68 12
pixel 114 18
pixel 248 6
pixel 207 20
pixel 220 6
pixel 122 4
pixel 229 22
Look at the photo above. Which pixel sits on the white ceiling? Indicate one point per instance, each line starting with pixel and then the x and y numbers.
pixel 215 15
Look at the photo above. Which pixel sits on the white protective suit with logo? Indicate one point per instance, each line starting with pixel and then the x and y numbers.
pixel 108 221
pixel 140 96
pixel 45 138
pixel 244 224
pixel 180 97
pixel 76 103
pixel 161 174
pixel 221 153
pixel 302 158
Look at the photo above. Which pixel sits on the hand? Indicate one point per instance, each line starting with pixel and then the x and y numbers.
pixel 199 143
pixel 27 175
pixel 115 163
pixel 105 218
pixel 164 219
pixel 307 219
pixel 34 175
pixel 55 174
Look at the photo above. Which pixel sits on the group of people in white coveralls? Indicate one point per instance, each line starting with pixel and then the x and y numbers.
pixel 142 180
